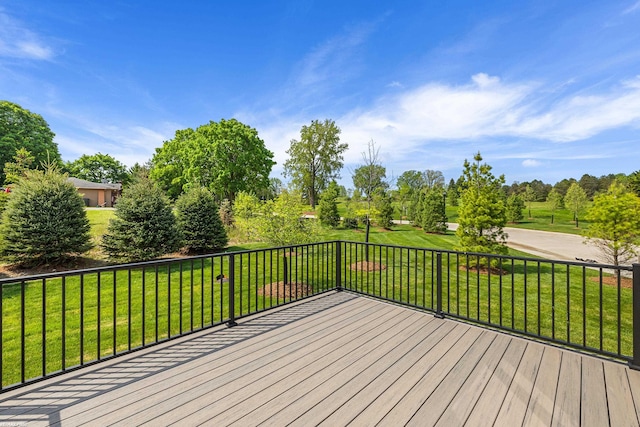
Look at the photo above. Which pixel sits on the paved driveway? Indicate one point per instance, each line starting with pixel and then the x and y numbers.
pixel 549 245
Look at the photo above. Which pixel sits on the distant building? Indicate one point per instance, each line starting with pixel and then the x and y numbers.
pixel 97 194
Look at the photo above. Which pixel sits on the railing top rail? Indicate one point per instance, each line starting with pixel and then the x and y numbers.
pixel 519 258
pixel 152 263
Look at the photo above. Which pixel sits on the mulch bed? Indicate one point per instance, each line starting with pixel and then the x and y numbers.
pixel 367 266
pixel 286 291
pixel 625 282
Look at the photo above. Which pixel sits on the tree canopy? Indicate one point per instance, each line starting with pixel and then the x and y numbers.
pixel 316 158
pixel 576 200
pixel 614 224
pixel 20 128
pixel 98 168
pixel 226 157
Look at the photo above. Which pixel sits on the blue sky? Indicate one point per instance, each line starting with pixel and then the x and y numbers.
pixel 543 89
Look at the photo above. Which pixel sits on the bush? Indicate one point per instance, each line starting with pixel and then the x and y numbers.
pixel 144 226
pixel 199 222
pixel 44 220
pixel 351 223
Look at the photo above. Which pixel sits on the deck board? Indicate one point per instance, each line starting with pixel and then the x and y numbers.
pixel 338 359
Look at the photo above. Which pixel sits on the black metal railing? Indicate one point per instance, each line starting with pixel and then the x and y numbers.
pixel 587 306
pixel 54 323
pixel 57 322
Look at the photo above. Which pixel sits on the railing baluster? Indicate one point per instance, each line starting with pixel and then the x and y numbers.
pixel 232 291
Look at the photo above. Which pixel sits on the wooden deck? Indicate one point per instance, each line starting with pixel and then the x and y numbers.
pixel 334 360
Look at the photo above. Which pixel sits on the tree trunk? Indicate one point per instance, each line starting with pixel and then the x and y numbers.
pixel 366 240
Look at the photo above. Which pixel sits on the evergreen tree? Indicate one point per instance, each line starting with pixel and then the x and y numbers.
pixel 385 210
pixel 433 215
pixel 44 220
pixel 144 226
pixel 328 207
pixel 199 221
pixel 514 207
pixel 481 216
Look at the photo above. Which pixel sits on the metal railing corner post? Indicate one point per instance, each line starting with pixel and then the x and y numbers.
pixel 338 265
pixel 635 362
pixel 232 292
pixel 439 313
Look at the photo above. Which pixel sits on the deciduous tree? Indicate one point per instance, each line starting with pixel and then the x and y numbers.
pixel 614 224
pixel 98 168
pixel 316 158
pixel 20 128
pixel 576 200
pixel 514 207
pixel 226 157
pixel 554 202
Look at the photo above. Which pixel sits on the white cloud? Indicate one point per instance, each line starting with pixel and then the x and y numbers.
pixel 17 41
pixel 438 125
pixel 531 163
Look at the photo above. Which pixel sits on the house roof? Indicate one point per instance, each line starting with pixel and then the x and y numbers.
pixel 81 183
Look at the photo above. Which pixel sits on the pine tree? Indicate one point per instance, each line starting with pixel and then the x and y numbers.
pixel 144 226
pixel 199 222
pixel 328 207
pixel 434 217
pixel 385 210
pixel 44 220
pixel 481 216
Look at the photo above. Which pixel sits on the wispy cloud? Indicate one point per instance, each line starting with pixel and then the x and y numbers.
pixel 446 123
pixel 634 7
pixel 18 41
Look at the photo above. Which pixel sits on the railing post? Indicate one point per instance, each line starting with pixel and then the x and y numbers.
pixel 635 362
pixel 232 292
pixel 439 313
pixel 339 266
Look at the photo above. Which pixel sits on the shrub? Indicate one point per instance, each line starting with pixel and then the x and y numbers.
pixel 144 226
pixel 351 223
pixel 199 222
pixel 44 220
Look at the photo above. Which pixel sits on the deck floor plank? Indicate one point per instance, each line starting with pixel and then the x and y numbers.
pixel 566 411
pixel 619 396
pixel 594 395
pixel 338 359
